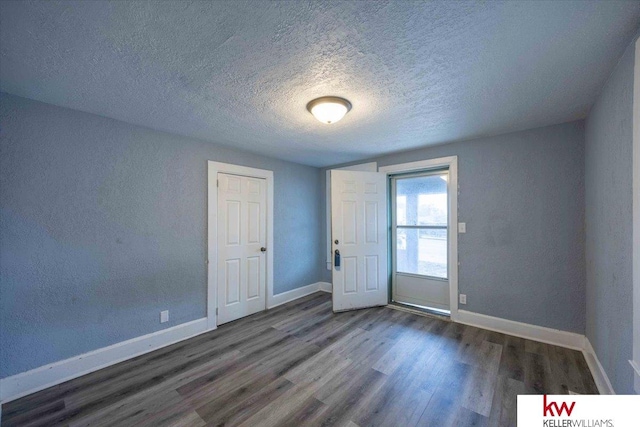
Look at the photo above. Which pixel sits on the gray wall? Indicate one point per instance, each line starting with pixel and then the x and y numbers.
pixel 102 225
pixel 522 197
pixel 608 184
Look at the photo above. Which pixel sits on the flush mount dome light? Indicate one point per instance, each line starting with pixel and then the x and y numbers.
pixel 329 109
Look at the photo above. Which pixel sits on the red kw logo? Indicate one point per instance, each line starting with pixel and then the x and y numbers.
pixel 548 408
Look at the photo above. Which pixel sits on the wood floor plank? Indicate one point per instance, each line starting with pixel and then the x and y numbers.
pixel 536 347
pixel 302 319
pixel 340 386
pixel 402 396
pixel 276 363
pixel 300 364
pixel 444 406
pixel 465 417
pixel 27 417
pixel 355 395
pixel 283 406
pixel 503 409
pixel 411 399
pixel 132 384
pixel 361 346
pixel 538 374
pixel 166 408
pixel 479 390
pixel 310 412
pixel 77 406
pixel 236 412
pixel 318 369
pixel 564 370
pixel 393 358
pixel 512 359
pixel 588 382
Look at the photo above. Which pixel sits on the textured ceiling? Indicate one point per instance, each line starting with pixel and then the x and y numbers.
pixel 240 73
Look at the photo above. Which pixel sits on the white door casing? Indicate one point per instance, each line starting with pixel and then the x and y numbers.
pixel 359 224
pixel 635 361
pixel 431 292
pixel 212 232
pixel 451 163
pixel 241 238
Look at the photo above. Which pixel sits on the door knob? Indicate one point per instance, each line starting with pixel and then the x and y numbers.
pixel 263 249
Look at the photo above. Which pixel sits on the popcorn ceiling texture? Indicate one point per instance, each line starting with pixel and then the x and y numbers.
pixel 240 73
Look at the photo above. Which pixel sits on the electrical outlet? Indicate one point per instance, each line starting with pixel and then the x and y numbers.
pixel 164 316
pixel 463 298
pixel 462 227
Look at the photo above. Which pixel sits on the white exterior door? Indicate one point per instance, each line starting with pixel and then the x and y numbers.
pixel 242 223
pixel 359 234
pixel 419 239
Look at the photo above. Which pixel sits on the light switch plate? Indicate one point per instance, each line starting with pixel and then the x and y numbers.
pixel 164 316
pixel 463 298
pixel 462 227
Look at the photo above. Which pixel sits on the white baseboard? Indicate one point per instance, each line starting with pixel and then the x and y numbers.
pixel 294 294
pixel 546 335
pixel 510 327
pixel 325 287
pixel 25 383
pixel 597 371
pixel 22 384
pixel 523 330
pixel 636 376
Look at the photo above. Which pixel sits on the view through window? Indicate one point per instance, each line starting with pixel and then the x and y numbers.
pixel 421 225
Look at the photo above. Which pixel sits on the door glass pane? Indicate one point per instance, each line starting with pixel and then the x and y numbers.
pixel 422 251
pixel 422 200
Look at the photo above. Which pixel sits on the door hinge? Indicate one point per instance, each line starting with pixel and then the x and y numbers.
pixel 217 183
pixel 216 311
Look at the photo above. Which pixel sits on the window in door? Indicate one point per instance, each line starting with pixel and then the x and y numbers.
pixel 420 230
pixel 421 224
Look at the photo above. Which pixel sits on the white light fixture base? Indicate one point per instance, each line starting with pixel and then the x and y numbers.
pixel 329 109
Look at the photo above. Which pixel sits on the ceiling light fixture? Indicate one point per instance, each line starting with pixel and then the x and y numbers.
pixel 329 109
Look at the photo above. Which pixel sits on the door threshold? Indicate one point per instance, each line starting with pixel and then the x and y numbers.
pixel 421 310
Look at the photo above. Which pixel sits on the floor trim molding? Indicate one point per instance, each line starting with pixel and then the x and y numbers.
pixel 547 335
pixel 294 294
pixel 325 287
pixel 524 330
pixel 24 383
pixel 597 371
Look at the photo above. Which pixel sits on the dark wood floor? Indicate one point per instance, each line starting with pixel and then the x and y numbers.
pixel 300 364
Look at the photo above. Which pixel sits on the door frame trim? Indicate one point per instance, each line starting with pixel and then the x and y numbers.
pixel 451 163
pixel 635 251
pixel 213 168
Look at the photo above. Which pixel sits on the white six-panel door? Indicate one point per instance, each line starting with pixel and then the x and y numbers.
pixel 359 232
pixel 242 223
